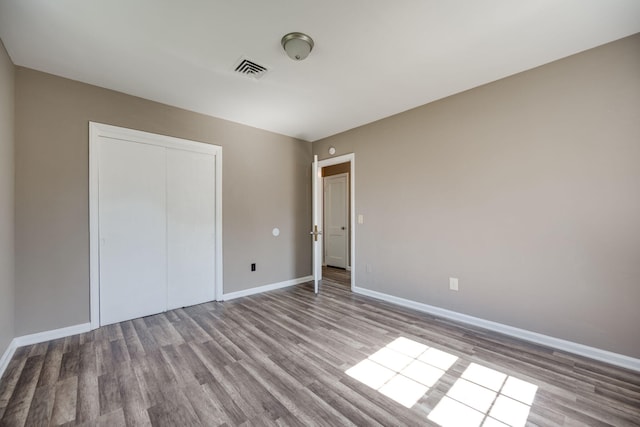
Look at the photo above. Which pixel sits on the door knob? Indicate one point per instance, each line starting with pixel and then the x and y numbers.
pixel 315 233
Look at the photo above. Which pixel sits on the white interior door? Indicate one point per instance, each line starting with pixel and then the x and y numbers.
pixel 336 220
pixel 191 228
pixel 316 232
pixel 132 230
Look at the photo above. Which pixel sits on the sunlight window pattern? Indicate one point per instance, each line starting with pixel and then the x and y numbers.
pixel 483 396
pixel 404 370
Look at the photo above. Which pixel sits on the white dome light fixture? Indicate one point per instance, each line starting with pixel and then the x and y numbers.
pixel 297 45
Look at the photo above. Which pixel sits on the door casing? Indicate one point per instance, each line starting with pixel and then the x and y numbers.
pixel 351 158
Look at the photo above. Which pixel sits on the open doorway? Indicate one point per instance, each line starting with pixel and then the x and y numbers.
pixel 336 203
pixel 336 265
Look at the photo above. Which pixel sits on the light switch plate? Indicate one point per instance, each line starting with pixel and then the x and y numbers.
pixel 360 219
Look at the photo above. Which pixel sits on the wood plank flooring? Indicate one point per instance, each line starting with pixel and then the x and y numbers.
pixel 280 358
pixel 338 276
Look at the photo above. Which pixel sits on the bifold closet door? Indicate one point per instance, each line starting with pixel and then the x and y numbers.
pixel 132 230
pixel 191 227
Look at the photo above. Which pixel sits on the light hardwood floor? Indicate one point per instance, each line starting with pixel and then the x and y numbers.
pixel 289 357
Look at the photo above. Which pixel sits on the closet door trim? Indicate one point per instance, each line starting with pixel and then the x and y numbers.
pixel 100 130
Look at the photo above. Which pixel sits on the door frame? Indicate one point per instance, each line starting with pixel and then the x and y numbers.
pixel 98 130
pixel 351 159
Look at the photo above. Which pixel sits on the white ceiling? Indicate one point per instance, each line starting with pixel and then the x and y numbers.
pixel 372 59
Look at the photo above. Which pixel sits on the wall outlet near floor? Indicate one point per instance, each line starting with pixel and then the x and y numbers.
pixel 453 283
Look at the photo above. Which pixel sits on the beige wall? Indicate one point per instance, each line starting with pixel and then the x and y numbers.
pixel 6 200
pixel 526 189
pixel 52 238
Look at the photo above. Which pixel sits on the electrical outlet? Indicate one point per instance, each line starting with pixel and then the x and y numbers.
pixel 253 266
pixel 453 283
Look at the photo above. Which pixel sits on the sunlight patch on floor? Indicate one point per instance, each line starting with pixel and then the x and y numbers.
pixel 404 370
pixel 484 396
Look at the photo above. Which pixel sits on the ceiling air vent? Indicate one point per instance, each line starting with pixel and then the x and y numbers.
pixel 251 69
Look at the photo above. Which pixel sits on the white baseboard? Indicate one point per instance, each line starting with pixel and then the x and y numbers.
pixel 6 357
pixel 38 338
pixel 52 335
pixel 265 288
pixel 556 343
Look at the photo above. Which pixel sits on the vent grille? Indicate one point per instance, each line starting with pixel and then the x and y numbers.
pixel 251 69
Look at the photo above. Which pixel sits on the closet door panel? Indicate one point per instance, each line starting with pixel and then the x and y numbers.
pixel 132 211
pixel 191 228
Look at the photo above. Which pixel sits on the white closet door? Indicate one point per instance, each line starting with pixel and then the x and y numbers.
pixel 132 231
pixel 191 227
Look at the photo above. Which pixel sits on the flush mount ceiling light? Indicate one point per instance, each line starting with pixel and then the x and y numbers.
pixel 297 45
